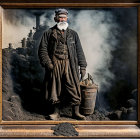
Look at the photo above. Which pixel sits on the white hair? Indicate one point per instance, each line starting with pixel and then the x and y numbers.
pixel 62 25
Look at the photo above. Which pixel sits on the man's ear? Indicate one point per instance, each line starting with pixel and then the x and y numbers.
pixel 55 19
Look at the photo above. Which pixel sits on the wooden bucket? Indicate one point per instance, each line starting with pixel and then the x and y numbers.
pixel 88 94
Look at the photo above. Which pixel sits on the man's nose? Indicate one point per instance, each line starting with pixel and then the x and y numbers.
pixel 62 20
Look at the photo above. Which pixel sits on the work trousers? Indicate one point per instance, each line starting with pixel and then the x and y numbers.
pixel 62 83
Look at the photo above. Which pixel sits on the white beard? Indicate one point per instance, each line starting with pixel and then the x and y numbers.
pixel 62 25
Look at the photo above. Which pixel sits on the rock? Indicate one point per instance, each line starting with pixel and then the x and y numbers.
pixel 134 94
pixel 123 109
pixel 131 109
pixel 96 116
pixel 64 129
pixel 131 103
pixel 132 114
pixel 124 113
pixel 116 115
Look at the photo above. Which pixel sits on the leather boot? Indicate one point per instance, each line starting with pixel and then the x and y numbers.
pixel 76 114
pixel 55 115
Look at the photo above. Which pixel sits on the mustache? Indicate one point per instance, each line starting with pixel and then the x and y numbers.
pixel 62 25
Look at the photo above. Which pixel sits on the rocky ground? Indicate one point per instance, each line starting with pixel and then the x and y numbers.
pixel 127 112
pixel 14 88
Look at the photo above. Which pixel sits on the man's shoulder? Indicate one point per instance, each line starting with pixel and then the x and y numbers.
pixel 72 31
pixel 48 30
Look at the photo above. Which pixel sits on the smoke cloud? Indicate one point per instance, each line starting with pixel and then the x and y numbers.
pixel 94 29
pixel 16 26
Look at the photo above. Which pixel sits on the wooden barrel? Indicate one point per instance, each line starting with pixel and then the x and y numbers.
pixel 88 94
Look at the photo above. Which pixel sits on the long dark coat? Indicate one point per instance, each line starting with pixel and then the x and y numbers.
pixel 76 55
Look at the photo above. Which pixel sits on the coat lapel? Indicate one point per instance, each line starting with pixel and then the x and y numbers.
pixel 68 34
pixel 54 33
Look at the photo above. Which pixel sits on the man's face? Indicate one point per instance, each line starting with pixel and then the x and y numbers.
pixel 61 22
pixel 61 19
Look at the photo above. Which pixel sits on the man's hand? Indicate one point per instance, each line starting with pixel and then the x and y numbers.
pixel 49 66
pixel 82 72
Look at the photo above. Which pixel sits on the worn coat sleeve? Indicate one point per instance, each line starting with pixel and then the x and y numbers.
pixel 80 54
pixel 43 50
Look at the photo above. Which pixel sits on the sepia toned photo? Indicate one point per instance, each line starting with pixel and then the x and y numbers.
pixel 70 64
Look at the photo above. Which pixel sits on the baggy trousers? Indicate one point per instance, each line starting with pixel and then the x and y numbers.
pixel 62 78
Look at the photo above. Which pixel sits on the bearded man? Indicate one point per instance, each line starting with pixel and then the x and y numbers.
pixel 61 53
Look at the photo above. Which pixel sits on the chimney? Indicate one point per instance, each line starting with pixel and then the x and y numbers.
pixel 23 41
pixel 10 46
pixel 38 14
pixel 30 34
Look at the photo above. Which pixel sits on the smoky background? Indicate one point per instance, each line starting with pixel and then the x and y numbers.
pixel 109 40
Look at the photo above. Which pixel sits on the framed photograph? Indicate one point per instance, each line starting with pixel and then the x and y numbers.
pixel 69 69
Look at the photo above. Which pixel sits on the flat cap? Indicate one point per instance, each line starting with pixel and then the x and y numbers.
pixel 61 11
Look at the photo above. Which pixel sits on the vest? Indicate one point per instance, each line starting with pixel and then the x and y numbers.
pixel 61 51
